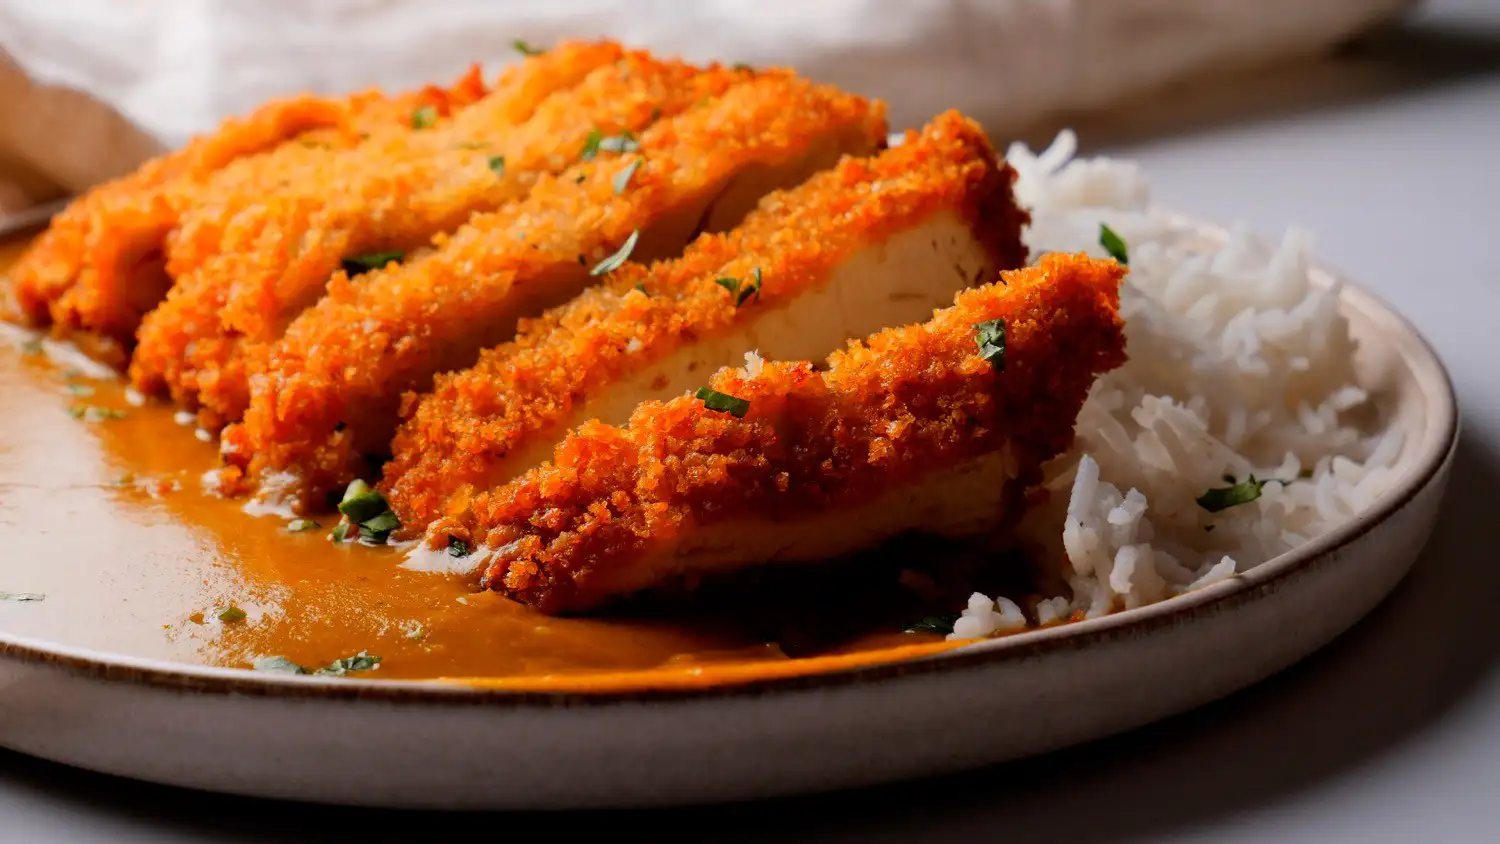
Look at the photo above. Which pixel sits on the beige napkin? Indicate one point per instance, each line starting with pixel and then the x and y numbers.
pixel 56 141
pixel 177 67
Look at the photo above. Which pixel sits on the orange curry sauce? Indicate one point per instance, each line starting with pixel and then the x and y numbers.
pixel 103 511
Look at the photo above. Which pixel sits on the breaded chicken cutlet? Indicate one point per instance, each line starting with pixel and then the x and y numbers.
pixel 874 242
pixel 330 390
pixel 99 265
pixel 283 248
pixel 936 427
pixel 548 288
pixel 234 215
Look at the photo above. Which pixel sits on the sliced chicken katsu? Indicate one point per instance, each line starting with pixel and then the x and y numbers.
pixel 249 277
pixel 99 266
pixel 875 242
pixel 235 218
pixel 937 427
pixel 331 388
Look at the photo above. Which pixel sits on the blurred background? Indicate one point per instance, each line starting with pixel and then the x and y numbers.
pixel 89 87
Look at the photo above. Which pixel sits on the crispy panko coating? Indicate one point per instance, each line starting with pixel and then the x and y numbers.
pixel 99 265
pixel 332 386
pixel 249 258
pixel 230 215
pixel 624 508
pixel 483 425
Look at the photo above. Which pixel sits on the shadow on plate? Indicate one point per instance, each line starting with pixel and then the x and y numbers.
pixel 1247 752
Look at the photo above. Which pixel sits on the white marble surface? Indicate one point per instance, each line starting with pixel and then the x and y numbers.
pixel 1392 734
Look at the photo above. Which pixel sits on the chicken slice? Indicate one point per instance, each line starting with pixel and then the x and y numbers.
pixel 230 216
pixel 247 277
pixel 875 242
pixel 937 427
pixel 328 397
pixel 99 266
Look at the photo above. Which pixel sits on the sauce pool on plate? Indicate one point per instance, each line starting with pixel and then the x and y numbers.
pixel 113 538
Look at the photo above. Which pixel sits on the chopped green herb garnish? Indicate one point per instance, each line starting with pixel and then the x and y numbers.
pixel 373 261
pixel 424 117
pixel 526 49
pixel 230 615
pixel 497 165
pixel 741 66
pixel 591 146
pixel 83 391
pixel 22 597
pixel 369 516
pixel 723 402
pixel 278 665
pixel 644 292
pixel 614 261
pixel 739 292
pixel 32 346
pixel 622 178
pixel 359 662
pixel 939 624
pixel 731 284
pixel 1222 498
pixel 457 547
pixel 1113 244
pixel 338 668
pixel 598 142
pixel 360 502
pixel 299 525
pixel 91 413
pixel 380 527
pixel 990 338
pixel 753 289
pixel 623 142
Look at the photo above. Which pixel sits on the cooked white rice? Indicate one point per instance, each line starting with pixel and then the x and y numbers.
pixel 1238 366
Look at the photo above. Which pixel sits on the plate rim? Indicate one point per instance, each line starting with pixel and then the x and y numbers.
pixel 1439 449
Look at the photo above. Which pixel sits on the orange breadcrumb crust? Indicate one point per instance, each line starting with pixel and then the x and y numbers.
pixel 402 209
pixel 333 385
pixel 248 258
pixel 796 238
pixel 231 216
pixel 904 404
pixel 98 267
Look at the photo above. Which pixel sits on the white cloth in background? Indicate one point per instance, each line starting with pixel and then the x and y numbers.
pixel 177 67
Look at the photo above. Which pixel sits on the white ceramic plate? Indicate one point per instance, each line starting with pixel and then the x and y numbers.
pixel 406 744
